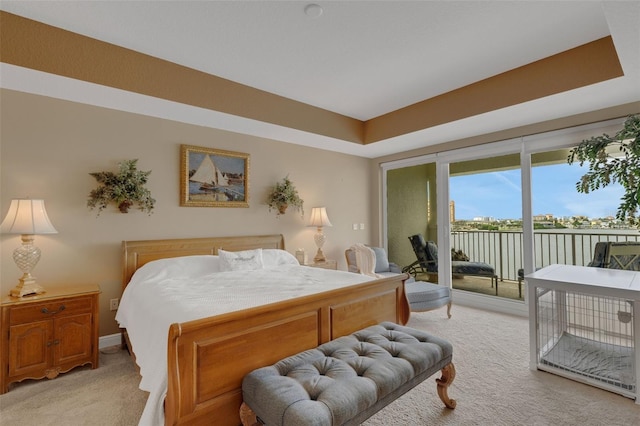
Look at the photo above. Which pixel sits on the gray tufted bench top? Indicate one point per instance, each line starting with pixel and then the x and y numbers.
pixel 347 380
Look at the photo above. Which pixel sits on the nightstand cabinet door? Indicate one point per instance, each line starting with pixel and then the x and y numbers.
pixel 72 340
pixel 29 352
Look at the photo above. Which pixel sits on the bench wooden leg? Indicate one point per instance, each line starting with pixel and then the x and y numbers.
pixel 448 374
pixel 247 416
pixel 449 309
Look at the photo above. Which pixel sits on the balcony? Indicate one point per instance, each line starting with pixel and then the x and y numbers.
pixel 503 250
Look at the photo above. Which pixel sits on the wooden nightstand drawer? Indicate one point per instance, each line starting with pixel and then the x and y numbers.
pixel 46 310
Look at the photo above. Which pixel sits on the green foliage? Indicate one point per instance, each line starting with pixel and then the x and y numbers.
pixel 605 169
pixel 284 194
pixel 124 189
pixel 488 227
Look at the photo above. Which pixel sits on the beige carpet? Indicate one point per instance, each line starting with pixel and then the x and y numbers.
pixel 108 395
pixel 493 386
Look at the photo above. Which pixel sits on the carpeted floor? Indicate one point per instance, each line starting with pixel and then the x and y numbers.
pixel 493 386
pixel 507 289
pixel 106 396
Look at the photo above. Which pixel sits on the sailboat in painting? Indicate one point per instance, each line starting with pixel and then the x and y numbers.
pixel 210 176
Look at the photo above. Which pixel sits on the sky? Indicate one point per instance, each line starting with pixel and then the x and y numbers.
pixel 498 194
pixel 228 164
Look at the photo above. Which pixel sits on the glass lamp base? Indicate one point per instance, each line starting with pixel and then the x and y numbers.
pixel 27 287
pixel 26 257
pixel 319 239
pixel 319 258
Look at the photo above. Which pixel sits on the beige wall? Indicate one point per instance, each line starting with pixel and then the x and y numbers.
pixel 408 198
pixel 48 148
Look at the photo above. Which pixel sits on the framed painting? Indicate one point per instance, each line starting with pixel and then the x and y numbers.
pixel 213 177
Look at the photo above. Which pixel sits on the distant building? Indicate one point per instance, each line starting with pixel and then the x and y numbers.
pixel 486 219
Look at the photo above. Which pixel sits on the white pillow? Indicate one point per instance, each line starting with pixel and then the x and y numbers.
pixel 273 258
pixel 183 266
pixel 247 260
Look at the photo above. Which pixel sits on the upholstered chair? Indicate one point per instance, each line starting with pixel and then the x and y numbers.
pixel 383 266
pixel 422 296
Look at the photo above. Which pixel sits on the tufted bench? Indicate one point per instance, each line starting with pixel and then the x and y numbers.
pixel 347 380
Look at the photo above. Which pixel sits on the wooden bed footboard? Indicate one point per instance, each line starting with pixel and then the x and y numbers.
pixel 208 358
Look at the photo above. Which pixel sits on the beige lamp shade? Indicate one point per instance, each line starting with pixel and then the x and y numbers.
pixel 27 217
pixel 319 217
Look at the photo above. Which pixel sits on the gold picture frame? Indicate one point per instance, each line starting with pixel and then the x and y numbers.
pixel 213 177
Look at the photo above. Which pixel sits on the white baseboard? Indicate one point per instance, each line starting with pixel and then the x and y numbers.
pixel 108 341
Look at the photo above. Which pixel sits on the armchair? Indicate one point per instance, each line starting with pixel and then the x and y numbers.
pixel 422 296
pixel 383 266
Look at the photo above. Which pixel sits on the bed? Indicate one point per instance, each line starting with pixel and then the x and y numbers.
pixel 205 358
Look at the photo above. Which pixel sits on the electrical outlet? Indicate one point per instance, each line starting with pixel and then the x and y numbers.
pixel 361 226
pixel 355 226
pixel 113 304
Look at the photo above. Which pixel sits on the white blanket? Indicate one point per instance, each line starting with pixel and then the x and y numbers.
pixel 183 289
pixel 365 260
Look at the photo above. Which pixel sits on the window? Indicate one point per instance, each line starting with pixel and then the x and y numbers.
pixel 436 195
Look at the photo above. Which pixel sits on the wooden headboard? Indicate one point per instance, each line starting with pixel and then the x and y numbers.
pixel 136 253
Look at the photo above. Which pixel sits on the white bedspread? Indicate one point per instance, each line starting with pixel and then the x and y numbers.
pixel 184 289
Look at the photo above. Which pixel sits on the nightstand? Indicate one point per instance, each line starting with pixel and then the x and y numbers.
pixel 48 334
pixel 328 264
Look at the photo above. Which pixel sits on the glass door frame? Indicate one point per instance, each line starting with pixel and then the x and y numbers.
pixel 525 146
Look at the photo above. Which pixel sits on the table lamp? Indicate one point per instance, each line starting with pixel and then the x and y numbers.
pixel 27 217
pixel 319 219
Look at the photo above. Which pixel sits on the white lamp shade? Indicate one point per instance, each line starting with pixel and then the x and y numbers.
pixel 319 217
pixel 27 216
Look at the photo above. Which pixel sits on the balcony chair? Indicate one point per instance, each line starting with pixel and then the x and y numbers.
pixel 421 296
pixel 427 263
pixel 600 254
pixel 623 255
pixel 614 255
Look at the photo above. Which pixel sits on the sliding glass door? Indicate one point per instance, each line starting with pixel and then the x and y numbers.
pixel 567 224
pixel 504 206
pixel 486 226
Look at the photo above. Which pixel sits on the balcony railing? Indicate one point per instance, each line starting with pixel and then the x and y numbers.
pixel 503 249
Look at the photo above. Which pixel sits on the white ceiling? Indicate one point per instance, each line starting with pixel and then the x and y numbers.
pixel 359 58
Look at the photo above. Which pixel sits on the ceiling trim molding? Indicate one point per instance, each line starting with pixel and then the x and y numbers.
pixel 41 47
pixel 582 66
pixel 31 44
